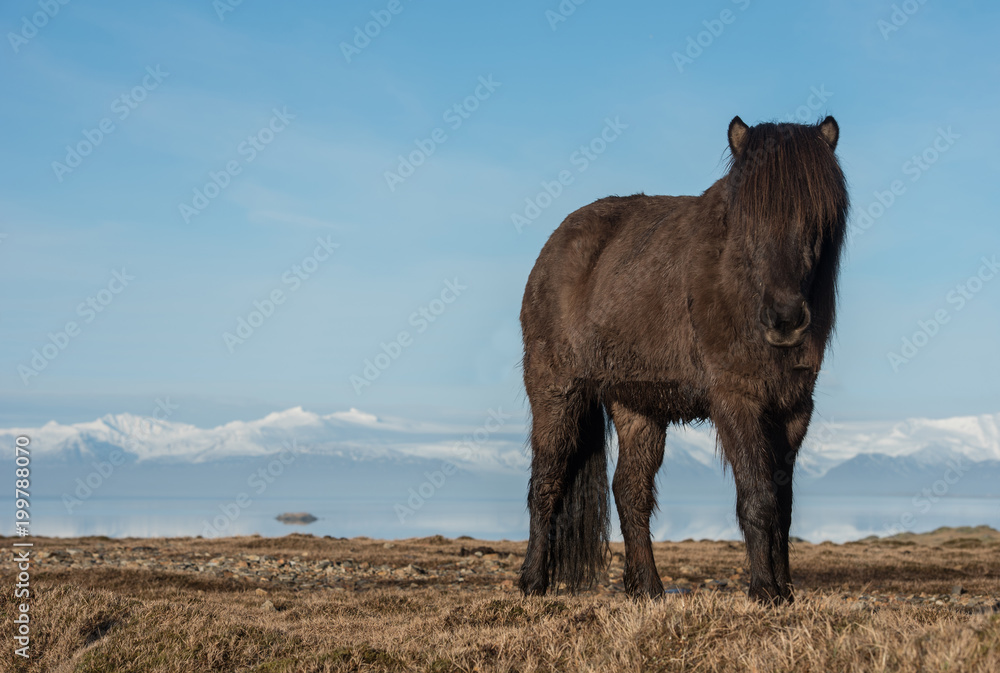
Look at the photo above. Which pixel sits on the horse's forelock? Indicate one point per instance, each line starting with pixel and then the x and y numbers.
pixel 787 176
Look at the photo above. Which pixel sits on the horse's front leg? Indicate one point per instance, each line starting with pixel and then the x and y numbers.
pixel 788 436
pixel 750 454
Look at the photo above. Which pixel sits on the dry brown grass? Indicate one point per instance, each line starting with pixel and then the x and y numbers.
pixel 105 616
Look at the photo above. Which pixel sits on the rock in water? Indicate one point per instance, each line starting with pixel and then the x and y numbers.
pixel 296 518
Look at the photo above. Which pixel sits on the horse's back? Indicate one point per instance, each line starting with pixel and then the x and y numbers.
pixel 608 231
pixel 609 264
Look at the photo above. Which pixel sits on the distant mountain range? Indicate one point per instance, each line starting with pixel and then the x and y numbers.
pixel 357 452
pixel 351 434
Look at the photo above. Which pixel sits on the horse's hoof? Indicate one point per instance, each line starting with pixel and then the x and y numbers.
pixel 768 596
pixel 648 587
pixel 646 594
pixel 532 588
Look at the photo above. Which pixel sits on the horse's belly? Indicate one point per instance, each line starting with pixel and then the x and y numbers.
pixel 667 401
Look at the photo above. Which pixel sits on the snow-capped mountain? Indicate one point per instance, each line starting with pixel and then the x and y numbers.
pixel 353 434
pixel 858 457
pixel 976 438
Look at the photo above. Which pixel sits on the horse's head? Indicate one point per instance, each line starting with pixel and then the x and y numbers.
pixel 787 204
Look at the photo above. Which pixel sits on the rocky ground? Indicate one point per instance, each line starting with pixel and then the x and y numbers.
pixel 92 591
pixel 360 564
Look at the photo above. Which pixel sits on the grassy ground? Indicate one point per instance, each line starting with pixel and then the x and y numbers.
pixel 298 603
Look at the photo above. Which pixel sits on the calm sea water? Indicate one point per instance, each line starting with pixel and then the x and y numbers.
pixel 816 519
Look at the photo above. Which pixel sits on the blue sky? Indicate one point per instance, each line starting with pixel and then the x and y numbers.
pixel 265 99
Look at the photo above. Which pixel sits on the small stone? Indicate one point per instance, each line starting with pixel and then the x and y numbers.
pixel 261 592
pixel 267 606
pixel 957 590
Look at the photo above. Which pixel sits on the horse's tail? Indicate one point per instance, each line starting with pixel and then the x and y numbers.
pixel 578 539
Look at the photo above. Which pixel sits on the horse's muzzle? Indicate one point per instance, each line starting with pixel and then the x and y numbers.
pixel 786 326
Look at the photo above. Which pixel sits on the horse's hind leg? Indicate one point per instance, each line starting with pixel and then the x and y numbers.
pixel 640 454
pixel 556 418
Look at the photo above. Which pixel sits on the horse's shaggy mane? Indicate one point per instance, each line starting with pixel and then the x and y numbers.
pixel 786 176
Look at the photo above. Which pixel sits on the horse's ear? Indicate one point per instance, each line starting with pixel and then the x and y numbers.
pixel 831 132
pixel 737 136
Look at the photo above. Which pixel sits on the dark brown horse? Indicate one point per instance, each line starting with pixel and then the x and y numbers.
pixel 652 310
